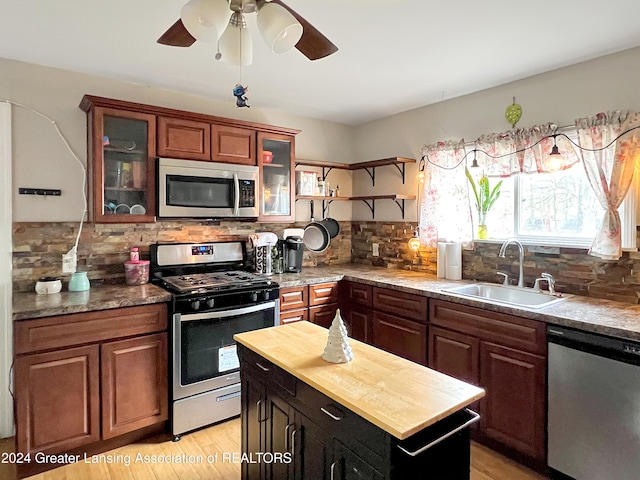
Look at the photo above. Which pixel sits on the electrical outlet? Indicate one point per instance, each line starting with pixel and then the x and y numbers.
pixel 375 249
pixel 69 262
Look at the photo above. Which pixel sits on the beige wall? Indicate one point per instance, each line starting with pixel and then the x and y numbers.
pixel 560 96
pixel 41 160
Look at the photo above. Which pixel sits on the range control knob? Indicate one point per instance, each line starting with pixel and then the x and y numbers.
pixel 254 296
pixel 195 305
pixel 210 302
pixel 265 295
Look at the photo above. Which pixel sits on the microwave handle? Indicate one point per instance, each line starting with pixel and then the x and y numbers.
pixel 236 203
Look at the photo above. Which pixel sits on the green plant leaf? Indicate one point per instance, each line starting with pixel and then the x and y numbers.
pixel 473 186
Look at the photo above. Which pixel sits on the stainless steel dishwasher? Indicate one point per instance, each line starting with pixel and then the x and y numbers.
pixel 594 405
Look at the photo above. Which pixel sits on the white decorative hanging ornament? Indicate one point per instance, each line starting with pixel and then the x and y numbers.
pixel 338 349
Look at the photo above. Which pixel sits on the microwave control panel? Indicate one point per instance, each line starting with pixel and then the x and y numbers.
pixel 247 193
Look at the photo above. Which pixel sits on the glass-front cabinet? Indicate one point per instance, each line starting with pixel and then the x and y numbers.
pixel 276 162
pixel 123 150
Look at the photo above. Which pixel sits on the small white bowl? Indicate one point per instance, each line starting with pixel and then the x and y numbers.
pixel 46 286
pixel 138 210
pixel 122 208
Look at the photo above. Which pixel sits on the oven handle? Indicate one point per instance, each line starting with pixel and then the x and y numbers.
pixel 236 203
pixel 227 313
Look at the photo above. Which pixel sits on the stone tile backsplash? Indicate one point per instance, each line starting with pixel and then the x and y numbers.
pixel 38 247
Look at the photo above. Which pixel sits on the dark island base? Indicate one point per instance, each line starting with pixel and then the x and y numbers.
pixel 292 431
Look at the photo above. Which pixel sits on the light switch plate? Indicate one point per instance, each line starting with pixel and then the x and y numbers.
pixel 375 250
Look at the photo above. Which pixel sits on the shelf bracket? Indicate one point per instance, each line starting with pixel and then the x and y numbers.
pixel 325 172
pixel 372 174
pixel 400 204
pixel 372 206
pixel 325 207
pixel 401 170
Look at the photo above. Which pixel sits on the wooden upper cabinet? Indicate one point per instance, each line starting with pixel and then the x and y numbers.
pixel 277 192
pixel 233 145
pixel 181 138
pixel 121 168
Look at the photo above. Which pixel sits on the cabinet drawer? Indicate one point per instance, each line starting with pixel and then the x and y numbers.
pixel 406 305
pixel 78 328
pixel 339 421
pixel 293 298
pixel 322 293
pixel 265 371
pixel 359 293
pixel 297 315
pixel 180 138
pixel 323 314
pixel 501 328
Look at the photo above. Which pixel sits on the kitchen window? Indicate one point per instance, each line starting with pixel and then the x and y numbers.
pixel 555 209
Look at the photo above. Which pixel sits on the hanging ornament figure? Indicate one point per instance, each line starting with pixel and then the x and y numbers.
pixel 241 99
pixel 513 113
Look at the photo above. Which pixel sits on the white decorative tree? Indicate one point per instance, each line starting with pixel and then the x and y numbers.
pixel 338 349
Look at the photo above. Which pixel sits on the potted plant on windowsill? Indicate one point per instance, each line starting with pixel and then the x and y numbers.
pixel 485 199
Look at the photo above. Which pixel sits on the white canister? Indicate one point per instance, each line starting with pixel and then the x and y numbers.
pixel 47 285
pixel 453 261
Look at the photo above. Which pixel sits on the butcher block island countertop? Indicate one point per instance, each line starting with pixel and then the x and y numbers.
pixel 397 395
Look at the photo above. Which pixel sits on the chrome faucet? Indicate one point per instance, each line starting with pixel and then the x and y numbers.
pixel 520 257
pixel 551 283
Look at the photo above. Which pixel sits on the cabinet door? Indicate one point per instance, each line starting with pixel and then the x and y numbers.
pixel 233 145
pixel 134 384
pixel 323 314
pixel 347 465
pixel 57 400
pixel 253 414
pixel 359 323
pixel 513 411
pixel 405 338
pixel 455 354
pixel 122 169
pixel 406 305
pixel 312 453
pixel 181 138
pixel 276 177
pixel 280 428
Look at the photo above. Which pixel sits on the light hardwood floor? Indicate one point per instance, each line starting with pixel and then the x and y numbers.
pixel 217 440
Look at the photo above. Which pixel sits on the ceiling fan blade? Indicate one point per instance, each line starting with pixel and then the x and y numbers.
pixel 177 36
pixel 313 44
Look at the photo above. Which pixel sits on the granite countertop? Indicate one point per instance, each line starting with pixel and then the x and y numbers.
pixel 101 297
pixel 594 315
pixel 368 385
pixel 606 317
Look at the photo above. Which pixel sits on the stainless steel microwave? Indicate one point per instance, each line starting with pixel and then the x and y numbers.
pixel 200 189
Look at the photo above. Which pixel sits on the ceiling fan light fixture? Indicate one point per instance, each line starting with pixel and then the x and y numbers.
pixel 205 19
pixel 235 43
pixel 279 29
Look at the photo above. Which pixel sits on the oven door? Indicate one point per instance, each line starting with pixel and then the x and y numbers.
pixel 204 351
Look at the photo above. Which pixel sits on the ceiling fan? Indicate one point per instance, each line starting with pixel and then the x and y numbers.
pixel 223 21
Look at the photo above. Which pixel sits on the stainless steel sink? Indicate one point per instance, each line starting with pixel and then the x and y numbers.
pixel 507 295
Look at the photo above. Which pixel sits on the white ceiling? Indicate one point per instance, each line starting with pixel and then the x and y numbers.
pixel 394 55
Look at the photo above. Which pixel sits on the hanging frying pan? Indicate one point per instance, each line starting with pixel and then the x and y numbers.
pixel 316 236
pixel 331 224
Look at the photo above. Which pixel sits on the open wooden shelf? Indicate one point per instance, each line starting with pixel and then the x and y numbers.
pixel 369 167
pixel 369 200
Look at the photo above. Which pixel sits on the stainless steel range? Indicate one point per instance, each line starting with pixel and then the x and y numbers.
pixel 213 299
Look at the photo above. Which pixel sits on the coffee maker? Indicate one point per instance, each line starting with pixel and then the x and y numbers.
pixel 293 249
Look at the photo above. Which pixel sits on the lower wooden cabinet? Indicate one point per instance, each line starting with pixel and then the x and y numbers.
pixel 506 356
pixel 400 336
pixel 73 396
pixel 57 400
pixel 316 303
pixel 323 314
pixel 514 409
pixel 134 384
